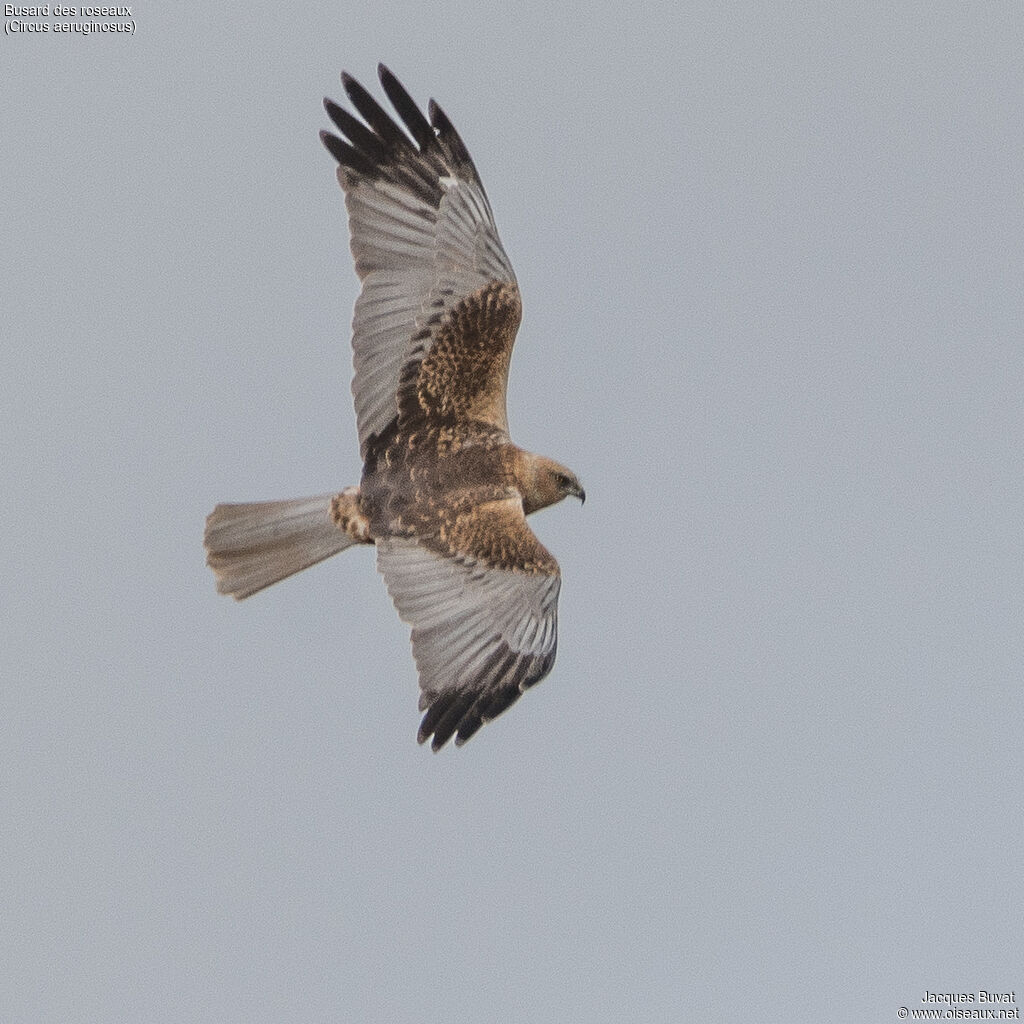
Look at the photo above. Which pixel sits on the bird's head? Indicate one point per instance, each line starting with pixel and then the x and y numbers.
pixel 546 482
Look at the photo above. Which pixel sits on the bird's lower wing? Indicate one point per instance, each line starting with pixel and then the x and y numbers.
pixel 483 606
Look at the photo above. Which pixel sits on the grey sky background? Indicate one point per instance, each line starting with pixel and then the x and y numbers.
pixel 771 258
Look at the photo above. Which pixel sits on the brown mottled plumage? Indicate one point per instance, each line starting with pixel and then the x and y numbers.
pixel 444 493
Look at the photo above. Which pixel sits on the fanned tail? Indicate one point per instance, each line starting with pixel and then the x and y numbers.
pixel 250 546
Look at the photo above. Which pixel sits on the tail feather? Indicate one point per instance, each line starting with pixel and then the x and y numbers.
pixel 250 546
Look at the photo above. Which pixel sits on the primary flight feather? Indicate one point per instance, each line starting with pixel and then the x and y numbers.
pixel 444 492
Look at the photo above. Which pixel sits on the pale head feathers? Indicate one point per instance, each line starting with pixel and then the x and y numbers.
pixel 543 482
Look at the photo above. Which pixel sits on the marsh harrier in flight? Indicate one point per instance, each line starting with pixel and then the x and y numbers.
pixel 444 493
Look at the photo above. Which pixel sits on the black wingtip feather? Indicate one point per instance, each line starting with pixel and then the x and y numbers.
pixel 468 730
pixel 448 134
pixel 356 132
pixel 434 712
pixel 374 114
pixel 346 155
pixel 410 113
pixel 444 716
pixel 501 701
pixel 408 149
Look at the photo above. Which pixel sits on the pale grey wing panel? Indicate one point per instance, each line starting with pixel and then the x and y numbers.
pixel 469 249
pixel 480 635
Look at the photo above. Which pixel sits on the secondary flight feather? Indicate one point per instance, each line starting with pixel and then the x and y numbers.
pixel 444 493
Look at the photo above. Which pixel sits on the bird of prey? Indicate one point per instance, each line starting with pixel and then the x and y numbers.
pixel 444 493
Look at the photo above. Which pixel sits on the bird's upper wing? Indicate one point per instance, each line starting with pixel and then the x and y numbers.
pixel 437 316
pixel 482 599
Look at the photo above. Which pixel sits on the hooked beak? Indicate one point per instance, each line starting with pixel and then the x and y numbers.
pixel 580 493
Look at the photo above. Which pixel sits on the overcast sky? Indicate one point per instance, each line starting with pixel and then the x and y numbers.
pixel 771 259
